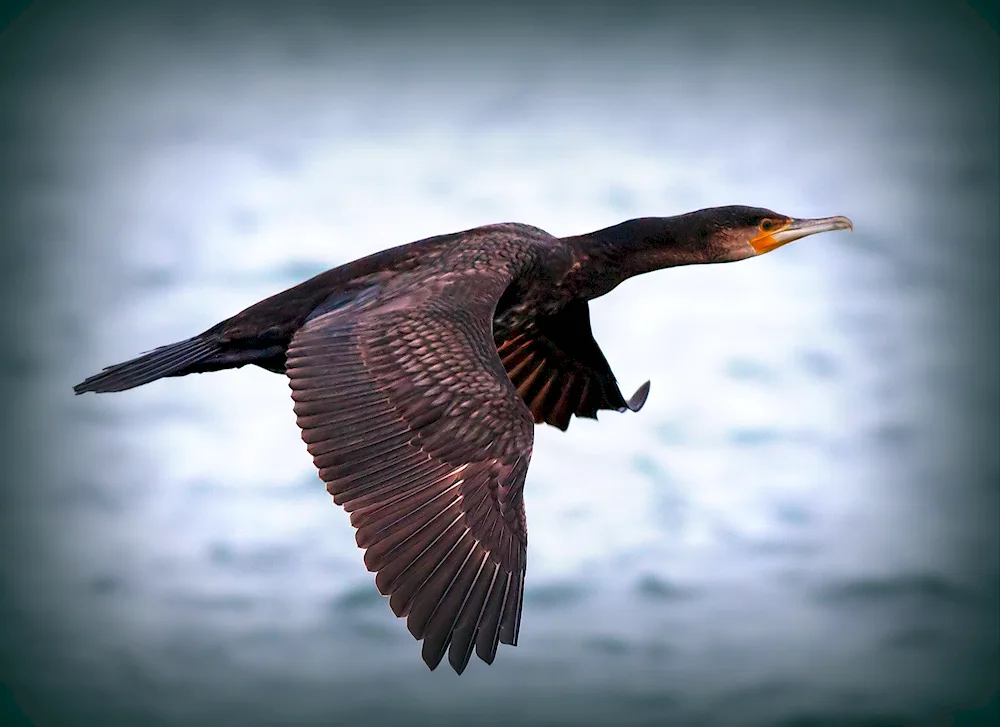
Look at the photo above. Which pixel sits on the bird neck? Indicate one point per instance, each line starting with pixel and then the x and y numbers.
pixel 605 258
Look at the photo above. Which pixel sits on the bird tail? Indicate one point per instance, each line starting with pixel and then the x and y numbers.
pixel 170 360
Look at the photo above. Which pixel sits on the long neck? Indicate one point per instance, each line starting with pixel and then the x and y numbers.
pixel 607 257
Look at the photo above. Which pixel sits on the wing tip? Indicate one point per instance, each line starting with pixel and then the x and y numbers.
pixel 638 399
pixel 432 656
pixel 458 660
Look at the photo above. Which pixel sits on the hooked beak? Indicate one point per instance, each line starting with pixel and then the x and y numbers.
pixel 796 230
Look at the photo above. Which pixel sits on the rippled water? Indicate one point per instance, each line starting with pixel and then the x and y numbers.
pixel 800 527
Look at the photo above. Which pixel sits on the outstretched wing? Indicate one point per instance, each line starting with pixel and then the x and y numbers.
pixel 559 370
pixel 420 435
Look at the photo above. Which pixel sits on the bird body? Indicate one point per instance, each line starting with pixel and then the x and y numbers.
pixel 418 374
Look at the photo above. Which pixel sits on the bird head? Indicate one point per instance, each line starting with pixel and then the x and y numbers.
pixel 725 234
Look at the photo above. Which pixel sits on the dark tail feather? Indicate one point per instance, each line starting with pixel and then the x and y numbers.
pixel 160 362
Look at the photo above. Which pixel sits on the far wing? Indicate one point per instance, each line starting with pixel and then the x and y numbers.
pixel 559 370
pixel 418 432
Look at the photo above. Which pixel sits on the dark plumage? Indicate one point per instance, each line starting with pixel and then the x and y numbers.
pixel 418 374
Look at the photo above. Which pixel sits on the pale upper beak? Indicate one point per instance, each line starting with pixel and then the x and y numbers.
pixel 796 230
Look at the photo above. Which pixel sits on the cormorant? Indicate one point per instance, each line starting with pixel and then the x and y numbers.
pixel 418 374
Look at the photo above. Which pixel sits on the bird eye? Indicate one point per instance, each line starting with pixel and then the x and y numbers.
pixel 766 225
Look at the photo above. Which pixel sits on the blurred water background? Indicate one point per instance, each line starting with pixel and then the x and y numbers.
pixel 800 528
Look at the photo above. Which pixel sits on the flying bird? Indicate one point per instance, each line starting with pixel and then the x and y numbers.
pixel 418 374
